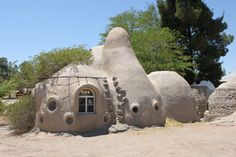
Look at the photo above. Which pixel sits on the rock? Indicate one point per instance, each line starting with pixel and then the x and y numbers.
pixel 118 128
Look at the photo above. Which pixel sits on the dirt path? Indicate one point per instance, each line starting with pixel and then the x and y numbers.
pixel 189 140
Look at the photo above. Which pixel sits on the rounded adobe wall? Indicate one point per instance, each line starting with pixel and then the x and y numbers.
pixel 58 111
pixel 222 102
pixel 178 100
pixel 138 101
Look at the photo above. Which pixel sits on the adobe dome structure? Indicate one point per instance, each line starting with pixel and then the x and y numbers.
pixel 201 92
pixel 229 78
pixel 176 95
pixel 112 93
pixel 222 102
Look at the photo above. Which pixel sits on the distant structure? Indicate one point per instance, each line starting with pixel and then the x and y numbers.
pixel 201 92
pixel 111 94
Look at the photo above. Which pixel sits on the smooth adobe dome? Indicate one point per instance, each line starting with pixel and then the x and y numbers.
pixel 229 78
pixel 140 105
pixel 117 37
pixel 176 95
pixel 230 85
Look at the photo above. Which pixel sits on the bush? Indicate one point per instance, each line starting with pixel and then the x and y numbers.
pixel 2 108
pixel 22 113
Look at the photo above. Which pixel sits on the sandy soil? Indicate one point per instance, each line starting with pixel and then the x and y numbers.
pixel 217 139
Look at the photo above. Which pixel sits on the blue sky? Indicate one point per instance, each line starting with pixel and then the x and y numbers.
pixel 28 27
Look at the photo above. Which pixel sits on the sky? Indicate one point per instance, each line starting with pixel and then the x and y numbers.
pixel 28 27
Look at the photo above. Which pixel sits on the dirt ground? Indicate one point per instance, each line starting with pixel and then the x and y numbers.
pixel 217 139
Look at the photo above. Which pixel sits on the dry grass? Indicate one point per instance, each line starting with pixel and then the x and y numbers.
pixel 172 123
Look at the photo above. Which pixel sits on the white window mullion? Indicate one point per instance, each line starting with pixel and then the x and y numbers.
pixel 86 96
pixel 86 105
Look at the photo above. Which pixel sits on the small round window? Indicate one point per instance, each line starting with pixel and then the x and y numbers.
pixel 52 105
pixel 135 109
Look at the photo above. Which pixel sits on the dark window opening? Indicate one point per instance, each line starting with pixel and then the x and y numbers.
pixel 86 101
pixel 52 106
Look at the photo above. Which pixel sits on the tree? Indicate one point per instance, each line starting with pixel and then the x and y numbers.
pixel 26 77
pixel 3 68
pixel 7 69
pixel 7 72
pixel 204 38
pixel 48 63
pixel 43 65
pixel 156 48
pixel 127 20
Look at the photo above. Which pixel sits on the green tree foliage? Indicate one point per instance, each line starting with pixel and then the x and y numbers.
pixel 4 69
pixel 46 64
pixel 7 71
pixel 26 77
pixel 204 38
pixel 127 20
pixel 156 48
pixel 43 65
pixel 6 86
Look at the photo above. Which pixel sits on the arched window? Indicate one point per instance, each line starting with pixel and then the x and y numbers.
pixel 86 101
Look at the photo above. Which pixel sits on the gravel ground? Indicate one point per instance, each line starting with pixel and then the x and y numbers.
pixel 215 139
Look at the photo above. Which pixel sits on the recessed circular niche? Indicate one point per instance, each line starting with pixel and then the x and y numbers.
pixel 41 119
pixel 135 109
pixel 52 105
pixel 69 120
pixel 156 107
pixel 105 119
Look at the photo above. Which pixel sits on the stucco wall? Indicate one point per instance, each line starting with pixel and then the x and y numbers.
pixel 178 101
pixel 222 101
pixel 65 91
pixel 143 106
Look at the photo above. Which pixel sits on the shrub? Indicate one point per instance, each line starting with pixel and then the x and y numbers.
pixel 2 108
pixel 22 113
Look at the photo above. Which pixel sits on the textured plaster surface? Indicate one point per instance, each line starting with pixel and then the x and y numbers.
pixel 222 101
pixel 65 91
pixel 123 92
pixel 120 61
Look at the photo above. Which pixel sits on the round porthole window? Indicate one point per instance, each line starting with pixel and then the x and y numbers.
pixel 52 105
pixel 135 109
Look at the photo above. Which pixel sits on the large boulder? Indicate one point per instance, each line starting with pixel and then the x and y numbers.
pixel 177 98
pixel 222 101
